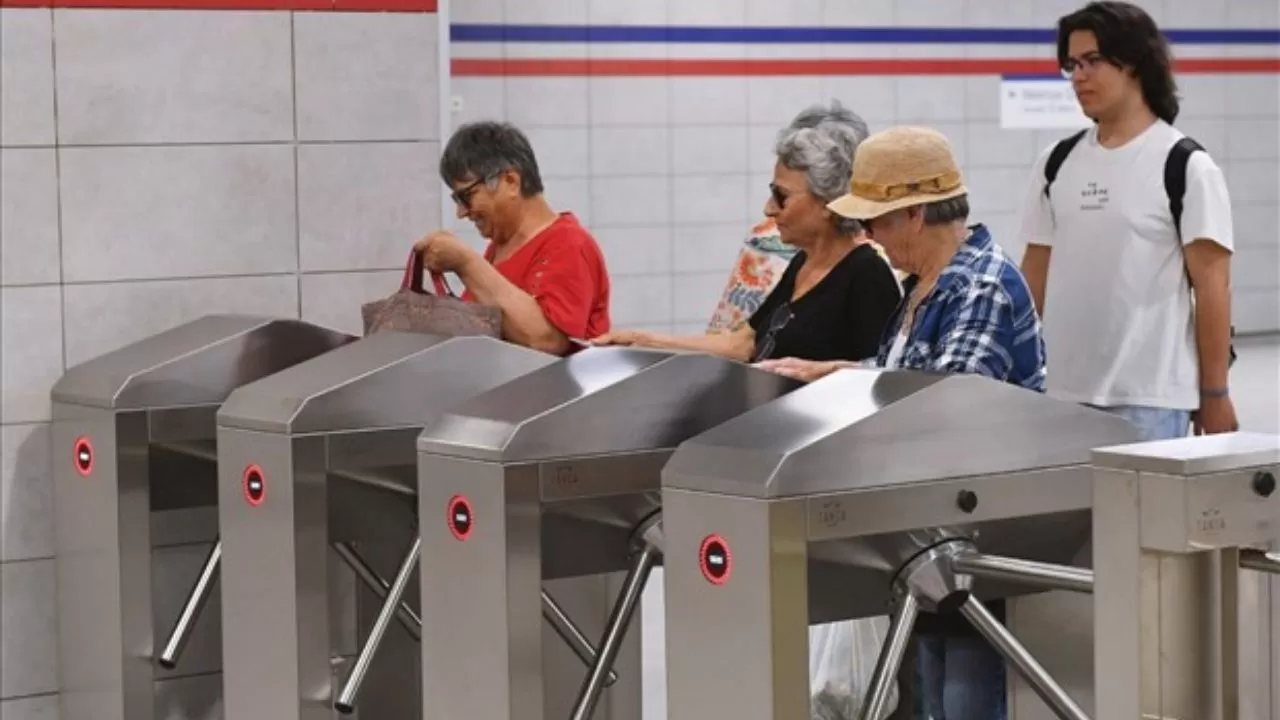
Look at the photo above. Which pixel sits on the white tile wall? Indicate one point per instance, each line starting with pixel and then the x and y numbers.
pixel 29 653
pixel 133 213
pixel 26 77
pixel 26 498
pixel 360 206
pixel 184 88
pixel 366 76
pixel 30 351
pixel 334 299
pixel 29 216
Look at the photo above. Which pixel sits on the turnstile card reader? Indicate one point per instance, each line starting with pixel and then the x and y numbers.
pixel 133 452
pixel 865 493
pixel 554 475
pixel 322 458
pixel 1175 522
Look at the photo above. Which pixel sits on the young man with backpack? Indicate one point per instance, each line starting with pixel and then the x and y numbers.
pixel 1129 239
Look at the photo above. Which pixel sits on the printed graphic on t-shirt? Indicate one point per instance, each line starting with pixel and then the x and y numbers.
pixel 1093 197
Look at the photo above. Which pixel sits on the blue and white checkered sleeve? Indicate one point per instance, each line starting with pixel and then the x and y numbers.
pixel 975 332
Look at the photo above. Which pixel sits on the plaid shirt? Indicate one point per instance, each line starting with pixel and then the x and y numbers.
pixel 979 319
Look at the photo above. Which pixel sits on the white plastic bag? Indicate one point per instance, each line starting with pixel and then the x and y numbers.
pixel 842 659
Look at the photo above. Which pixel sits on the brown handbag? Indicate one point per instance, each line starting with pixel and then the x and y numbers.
pixel 413 309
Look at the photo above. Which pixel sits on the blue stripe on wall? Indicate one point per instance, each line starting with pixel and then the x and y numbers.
pixel 807 35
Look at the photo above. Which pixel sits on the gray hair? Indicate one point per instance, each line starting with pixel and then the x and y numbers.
pixel 483 150
pixel 821 142
pixel 945 212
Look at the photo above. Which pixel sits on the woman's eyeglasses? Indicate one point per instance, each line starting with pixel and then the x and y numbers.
pixel 779 196
pixel 463 196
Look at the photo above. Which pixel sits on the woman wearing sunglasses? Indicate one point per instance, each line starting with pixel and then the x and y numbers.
pixel 838 292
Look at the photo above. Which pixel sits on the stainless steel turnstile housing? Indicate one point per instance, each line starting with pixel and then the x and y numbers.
pixel 555 475
pixel 134 487
pixel 869 492
pixel 321 459
pixel 1182 523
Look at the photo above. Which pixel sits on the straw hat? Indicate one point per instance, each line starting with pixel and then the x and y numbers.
pixel 897 168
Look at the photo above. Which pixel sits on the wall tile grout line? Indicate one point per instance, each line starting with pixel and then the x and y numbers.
pixel 297 176
pixel 57 173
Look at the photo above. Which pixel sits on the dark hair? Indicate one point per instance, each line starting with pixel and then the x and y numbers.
pixel 945 212
pixel 1128 38
pixel 483 150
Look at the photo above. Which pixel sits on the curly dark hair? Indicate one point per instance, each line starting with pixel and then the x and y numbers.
pixel 1129 39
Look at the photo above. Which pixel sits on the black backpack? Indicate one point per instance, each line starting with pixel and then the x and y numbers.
pixel 1175 183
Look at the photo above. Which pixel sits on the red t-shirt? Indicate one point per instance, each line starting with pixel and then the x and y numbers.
pixel 563 269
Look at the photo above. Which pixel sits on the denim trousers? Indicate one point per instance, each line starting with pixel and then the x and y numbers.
pixel 961 678
pixel 1154 423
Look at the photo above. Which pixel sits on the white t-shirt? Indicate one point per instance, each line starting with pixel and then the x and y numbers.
pixel 1118 320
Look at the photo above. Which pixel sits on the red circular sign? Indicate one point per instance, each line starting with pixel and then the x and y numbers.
pixel 83 458
pixel 254 484
pixel 715 560
pixel 461 519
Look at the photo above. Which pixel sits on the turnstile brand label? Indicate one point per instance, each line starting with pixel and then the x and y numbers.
pixel 460 518
pixel 715 560
pixel 84 456
pixel 255 485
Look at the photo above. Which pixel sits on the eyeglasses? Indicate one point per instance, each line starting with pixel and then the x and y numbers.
pixel 1088 63
pixel 463 197
pixel 777 321
pixel 779 196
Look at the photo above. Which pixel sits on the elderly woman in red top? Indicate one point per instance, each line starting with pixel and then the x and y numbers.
pixel 542 268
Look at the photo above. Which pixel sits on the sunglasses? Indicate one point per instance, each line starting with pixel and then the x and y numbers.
pixel 463 196
pixel 779 196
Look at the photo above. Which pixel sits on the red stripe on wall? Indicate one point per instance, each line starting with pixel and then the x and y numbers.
pixel 922 66
pixel 423 6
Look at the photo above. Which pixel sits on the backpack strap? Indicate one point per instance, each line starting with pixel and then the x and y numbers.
pixel 1175 186
pixel 1057 156
pixel 1175 177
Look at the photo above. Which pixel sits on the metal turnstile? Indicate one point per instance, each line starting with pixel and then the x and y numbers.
pixel 1175 525
pixel 134 491
pixel 555 475
pixel 321 460
pixel 869 492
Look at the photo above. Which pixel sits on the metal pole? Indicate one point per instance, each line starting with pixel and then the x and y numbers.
pixel 890 660
pixel 1024 572
pixel 615 631
pixel 192 608
pixel 409 619
pixel 1260 561
pixel 346 699
pixel 572 635
pixel 1045 686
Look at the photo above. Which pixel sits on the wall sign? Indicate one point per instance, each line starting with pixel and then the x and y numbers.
pixel 460 518
pixel 1037 103
pixel 255 485
pixel 715 560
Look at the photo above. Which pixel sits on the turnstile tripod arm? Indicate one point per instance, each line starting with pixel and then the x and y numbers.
pixel 196 599
pixel 615 631
pixel 1260 561
pixel 1024 572
pixel 409 620
pixel 999 636
pixel 345 703
pixel 572 634
pixel 890 660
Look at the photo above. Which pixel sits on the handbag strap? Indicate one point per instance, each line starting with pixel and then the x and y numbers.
pixel 415 268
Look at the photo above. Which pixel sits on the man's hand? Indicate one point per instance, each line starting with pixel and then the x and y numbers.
pixel 443 252
pixel 624 338
pixel 1216 415
pixel 797 369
